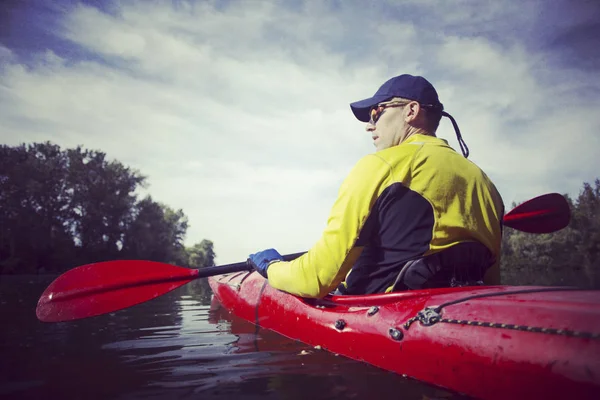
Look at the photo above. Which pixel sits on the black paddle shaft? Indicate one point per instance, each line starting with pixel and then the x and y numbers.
pixel 237 267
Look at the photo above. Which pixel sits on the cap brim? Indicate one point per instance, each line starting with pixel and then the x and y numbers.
pixel 361 108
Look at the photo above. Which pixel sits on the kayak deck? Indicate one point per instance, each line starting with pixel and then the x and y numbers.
pixel 487 342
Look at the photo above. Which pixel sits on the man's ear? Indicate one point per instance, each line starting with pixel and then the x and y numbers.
pixel 411 111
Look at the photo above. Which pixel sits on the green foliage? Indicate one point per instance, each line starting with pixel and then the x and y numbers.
pixel 156 233
pixel 64 208
pixel 201 254
pixel 568 257
pixel 35 206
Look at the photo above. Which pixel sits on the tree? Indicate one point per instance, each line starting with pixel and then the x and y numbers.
pixel 156 233
pixel 34 208
pixel 102 199
pixel 63 208
pixel 201 254
pixel 586 220
pixel 568 257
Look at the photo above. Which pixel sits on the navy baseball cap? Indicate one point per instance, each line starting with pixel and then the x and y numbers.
pixel 406 86
pixel 409 87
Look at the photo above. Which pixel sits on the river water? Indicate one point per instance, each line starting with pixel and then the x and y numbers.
pixel 182 345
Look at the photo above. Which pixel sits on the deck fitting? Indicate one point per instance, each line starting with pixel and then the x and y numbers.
pixel 340 324
pixel 372 311
pixel 396 334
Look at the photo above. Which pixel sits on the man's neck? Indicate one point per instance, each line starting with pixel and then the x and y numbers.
pixel 412 131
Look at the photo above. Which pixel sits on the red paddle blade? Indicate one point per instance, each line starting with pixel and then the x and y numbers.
pixel 104 287
pixel 543 214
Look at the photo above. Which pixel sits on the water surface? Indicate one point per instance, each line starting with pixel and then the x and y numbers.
pixel 179 346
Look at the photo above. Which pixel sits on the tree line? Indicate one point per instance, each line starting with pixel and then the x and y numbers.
pixel 64 208
pixel 569 257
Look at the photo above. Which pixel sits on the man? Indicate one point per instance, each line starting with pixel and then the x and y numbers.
pixel 415 214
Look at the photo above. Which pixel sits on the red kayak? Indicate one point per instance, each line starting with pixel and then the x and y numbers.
pixel 494 342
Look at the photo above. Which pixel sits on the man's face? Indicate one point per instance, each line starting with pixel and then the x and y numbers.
pixel 386 124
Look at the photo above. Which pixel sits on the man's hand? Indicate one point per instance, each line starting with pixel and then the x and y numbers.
pixel 260 261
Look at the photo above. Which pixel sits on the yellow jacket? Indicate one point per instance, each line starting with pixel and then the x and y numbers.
pixel 410 200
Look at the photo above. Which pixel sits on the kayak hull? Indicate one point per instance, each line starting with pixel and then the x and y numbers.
pixel 499 345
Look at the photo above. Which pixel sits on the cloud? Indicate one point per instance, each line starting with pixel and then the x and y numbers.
pixel 5 55
pixel 238 111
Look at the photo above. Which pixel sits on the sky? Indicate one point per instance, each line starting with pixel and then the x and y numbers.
pixel 238 111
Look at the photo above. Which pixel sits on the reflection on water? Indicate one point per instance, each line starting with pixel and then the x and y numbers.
pixel 178 346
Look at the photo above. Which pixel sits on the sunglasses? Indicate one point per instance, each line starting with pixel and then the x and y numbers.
pixel 377 110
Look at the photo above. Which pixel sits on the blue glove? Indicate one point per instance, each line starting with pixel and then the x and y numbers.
pixel 260 261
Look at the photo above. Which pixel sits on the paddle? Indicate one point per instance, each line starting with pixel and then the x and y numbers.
pixel 543 214
pixel 104 287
